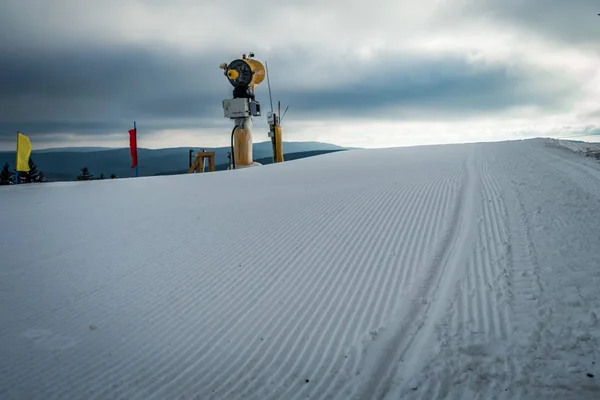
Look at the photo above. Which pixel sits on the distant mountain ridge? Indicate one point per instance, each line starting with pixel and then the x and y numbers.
pixel 64 164
pixel 263 161
pixel 75 149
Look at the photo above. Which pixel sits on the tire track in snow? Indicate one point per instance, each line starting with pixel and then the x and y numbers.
pixel 363 286
pixel 524 275
pixel 524 267
pixel 407 342
pixel 486 285
pixel 406 240
pixel 478 320
pixel 323 245
pixel 309 318
pixel 417 191
pixel 439 193
pixel 358 322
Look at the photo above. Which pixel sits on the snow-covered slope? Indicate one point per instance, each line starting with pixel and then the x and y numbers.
pixel 460 271
pixel 576 146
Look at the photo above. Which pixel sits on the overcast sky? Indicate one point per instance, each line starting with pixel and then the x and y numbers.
pixel 374 73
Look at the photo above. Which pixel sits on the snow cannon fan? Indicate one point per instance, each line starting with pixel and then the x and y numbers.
pixel 244 74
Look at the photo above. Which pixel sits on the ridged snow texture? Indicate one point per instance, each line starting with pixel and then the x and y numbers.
pixel 459 271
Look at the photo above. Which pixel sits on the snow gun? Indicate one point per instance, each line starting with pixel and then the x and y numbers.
pixel 245 75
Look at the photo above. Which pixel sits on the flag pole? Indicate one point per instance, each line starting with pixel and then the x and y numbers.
pixel 17 172
pixel 136 152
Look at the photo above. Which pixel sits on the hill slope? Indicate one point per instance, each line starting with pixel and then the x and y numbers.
pixel 460 271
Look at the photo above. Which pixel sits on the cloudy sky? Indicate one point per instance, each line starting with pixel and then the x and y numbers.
pixel 374 73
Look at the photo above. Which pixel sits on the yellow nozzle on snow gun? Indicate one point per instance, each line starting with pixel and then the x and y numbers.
pixel 232 74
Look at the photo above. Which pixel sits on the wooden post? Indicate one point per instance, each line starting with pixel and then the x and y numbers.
pixel 242 148
pixel 137 172
pixel 278 145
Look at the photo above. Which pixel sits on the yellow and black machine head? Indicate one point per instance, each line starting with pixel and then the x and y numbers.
pixel 244 74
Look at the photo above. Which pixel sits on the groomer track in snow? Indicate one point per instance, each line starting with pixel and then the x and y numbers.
pixel 460 271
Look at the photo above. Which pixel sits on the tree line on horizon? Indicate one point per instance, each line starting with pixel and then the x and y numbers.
pixel 86 175
pixel 8 177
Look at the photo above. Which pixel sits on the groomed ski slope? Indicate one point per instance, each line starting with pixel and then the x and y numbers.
pixel 441 272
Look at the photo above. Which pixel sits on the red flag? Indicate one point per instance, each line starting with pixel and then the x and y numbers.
pixel 133 146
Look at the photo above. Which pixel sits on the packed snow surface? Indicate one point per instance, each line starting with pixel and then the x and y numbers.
pixel 587 148
pixel 462 271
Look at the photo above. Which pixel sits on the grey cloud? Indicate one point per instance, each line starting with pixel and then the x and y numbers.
pixel 93 90
pixel 129 77
pixel 574 22
pixel 101 90
pixel 434 88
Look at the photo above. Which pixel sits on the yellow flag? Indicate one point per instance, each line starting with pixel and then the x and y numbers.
pixel 23 152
